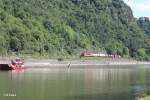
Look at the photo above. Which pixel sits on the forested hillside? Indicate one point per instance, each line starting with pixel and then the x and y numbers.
pixel 65 27
pixel 144 23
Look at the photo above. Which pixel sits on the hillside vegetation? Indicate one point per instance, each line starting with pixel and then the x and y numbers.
pixel 144 24
pixel 66 27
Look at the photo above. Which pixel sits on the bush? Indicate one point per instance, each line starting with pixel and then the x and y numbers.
pixel 60 59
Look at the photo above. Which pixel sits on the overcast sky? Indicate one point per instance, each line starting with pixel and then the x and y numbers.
pixel 140 8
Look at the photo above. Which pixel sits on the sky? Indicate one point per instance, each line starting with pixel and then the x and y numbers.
pixel 140 8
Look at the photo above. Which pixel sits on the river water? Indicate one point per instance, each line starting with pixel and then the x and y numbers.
pixel 88 83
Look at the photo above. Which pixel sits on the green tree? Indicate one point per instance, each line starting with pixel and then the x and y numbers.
pixel 141 52
pixel 15 44
pixel 126 52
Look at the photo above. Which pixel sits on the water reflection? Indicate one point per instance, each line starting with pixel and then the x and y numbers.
pixel 105 83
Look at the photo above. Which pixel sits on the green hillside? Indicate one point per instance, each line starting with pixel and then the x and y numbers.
pixel 66 27
pixel 144 24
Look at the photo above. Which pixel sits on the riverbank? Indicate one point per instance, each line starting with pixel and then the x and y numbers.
pixel 33 63
pixel 83 63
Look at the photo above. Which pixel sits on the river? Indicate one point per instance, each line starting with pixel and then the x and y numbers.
pixel 88 83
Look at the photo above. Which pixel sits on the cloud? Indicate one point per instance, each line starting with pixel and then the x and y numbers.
pixel 139 8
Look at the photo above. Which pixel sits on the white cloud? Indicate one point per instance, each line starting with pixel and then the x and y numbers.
pixel 139 8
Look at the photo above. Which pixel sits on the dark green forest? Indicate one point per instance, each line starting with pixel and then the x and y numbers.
pixel 67 27
pixel 144 23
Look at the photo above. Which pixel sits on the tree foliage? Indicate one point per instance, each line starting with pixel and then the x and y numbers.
pixel 67 26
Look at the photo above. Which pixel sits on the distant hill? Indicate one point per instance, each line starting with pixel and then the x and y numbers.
pixel 66 27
